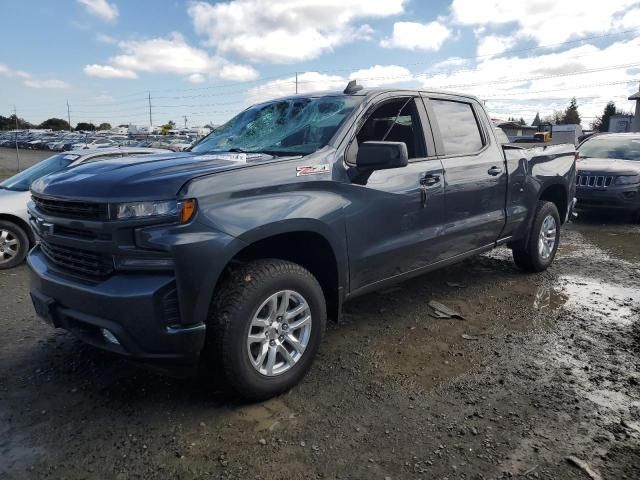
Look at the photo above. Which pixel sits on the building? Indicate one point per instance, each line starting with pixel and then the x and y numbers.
pixel 620 123
pixel 566 134
pixel 635 124
pixel 514 129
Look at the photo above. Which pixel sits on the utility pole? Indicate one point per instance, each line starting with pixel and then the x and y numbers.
pixel 185 121
pixel 296 83
pixel 69 115
pixel 15 114
pixel 150 118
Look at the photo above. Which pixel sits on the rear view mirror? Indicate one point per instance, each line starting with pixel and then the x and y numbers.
pixel 382 155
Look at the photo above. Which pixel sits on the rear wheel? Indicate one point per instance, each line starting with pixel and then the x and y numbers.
pixel 264 329
pixel 14 244
pixel 538 252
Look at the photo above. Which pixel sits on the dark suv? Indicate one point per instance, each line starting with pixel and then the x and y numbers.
pixel 230 257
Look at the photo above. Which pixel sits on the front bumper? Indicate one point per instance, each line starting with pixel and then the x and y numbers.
pixel 137 308
pixel 614 197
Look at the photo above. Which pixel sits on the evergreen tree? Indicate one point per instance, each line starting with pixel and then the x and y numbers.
pixel 536 121
pixel 601 124
pixel 571 115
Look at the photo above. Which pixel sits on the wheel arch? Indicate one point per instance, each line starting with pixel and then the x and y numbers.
pixel 558 194
pixel 20 222
pixel 307 244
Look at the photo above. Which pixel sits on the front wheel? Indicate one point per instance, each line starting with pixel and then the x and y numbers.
pixel 14 245
pixel 264 329
pixel 538 251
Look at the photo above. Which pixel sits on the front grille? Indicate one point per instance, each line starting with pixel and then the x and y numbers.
pixel 73 209
pixel 77 260
pixel 593 181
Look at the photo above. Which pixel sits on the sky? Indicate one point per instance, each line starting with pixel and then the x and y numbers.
pixel 207 60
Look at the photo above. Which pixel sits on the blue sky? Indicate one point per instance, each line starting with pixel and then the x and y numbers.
pixel 206 60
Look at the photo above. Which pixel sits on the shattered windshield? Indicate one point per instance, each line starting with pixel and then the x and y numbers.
pixel 295 126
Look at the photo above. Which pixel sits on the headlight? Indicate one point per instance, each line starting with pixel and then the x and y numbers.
pixel 627 179
pixel 183 210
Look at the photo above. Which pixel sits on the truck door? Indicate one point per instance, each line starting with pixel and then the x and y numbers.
pixel 393 224
pixel 475 177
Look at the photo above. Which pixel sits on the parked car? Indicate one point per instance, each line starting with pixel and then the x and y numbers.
pixel 229 258
pixel 94 143
pixel 609 173
pixel 16 236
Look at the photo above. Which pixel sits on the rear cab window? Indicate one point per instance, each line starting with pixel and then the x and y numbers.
pixel 459 128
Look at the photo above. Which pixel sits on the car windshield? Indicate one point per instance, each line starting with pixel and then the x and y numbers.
pixel 605 146
pixel 23 180
pixel 295 126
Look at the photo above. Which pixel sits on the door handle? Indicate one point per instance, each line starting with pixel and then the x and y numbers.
pixel 429 180
pixel 494 171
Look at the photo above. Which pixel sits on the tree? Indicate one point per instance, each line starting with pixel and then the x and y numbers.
pixel 86 126
pixel 104 126
pixel 55 124
pixel 164 129
pixel 536 121
pixel 522 122
pixel 571 116
pixel 601 123
pixel 9 123
pixel 555 118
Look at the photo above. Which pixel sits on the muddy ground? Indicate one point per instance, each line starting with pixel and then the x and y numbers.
pixel 543 368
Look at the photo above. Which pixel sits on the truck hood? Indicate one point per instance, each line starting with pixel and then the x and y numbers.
pixel 608 166
pixel 148 177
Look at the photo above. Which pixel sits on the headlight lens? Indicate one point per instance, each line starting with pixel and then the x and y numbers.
pixel 125 211
pixel 183 210
pixel 627 179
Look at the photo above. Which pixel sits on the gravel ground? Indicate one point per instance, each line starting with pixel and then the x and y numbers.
pixel 9 161
pixel 540 380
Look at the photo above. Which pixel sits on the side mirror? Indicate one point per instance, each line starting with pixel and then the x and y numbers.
pixel 377 156
pixel 382 155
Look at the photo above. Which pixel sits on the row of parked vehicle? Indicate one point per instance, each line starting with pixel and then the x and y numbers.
pixel 66 141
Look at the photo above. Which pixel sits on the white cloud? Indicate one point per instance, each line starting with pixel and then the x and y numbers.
pixel 196 78
pixel 108 39
pixel 50 83
pixel 380 75
pixel 520 86
pixel 543 20
pixel 107 71
pixel 31 81
pixel 417 36
pixel 286 31
pixel 168 55
pixel 101 8
pixel 307 82
pixel 493 45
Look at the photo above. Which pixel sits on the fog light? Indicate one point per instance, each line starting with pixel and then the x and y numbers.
pixel 142 263
pixel 109 337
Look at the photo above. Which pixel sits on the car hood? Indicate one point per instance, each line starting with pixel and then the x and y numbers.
pixel 159 176
pixel 608 165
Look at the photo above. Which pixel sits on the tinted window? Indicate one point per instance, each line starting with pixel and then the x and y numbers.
pixel 605 146
pixel 458 127
pixel 395 121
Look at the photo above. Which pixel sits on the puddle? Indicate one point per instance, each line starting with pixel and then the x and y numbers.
pixel 603 300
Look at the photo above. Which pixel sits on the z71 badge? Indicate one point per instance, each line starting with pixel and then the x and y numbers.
pixel 311 170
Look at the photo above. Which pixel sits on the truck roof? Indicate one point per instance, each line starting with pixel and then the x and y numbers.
pixel 366 92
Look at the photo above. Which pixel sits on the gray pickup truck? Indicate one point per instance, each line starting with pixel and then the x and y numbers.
pixel 228 259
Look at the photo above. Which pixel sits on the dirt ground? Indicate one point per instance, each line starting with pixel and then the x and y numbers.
pixel 9 160
pixel 543 368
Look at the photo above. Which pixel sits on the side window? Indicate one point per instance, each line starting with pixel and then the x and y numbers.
pixel 458 127
pixel 395 121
